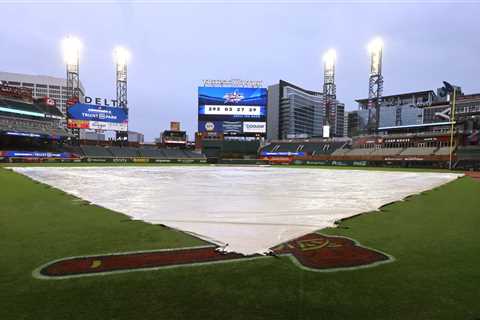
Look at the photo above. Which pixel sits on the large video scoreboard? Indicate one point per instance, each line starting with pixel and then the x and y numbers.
pixel 233 111
pixel 90 116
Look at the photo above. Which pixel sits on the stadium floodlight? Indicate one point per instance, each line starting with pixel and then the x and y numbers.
pixel 329 90
pixel 71 50
pixel 375 46
pixel 329 59
pixel 375 83
pixel 375 49
pixel 121 56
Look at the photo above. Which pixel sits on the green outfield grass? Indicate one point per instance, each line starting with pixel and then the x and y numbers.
pixel 433 236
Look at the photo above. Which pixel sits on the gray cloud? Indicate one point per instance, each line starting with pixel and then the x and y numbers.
pixel 174 46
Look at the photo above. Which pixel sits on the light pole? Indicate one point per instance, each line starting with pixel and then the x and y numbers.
pixel 375 83
pixel 452 90
pixel 71 55
pixel 121 57
pixel 329 90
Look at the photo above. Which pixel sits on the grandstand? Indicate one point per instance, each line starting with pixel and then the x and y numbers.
pixel 146 152
pixel 312 148
pixel 385 152
pixel 410 149
pixel 418 151
pixel 35 125
pixel 30 128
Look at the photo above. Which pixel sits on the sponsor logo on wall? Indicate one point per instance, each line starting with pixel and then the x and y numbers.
pixel 254 127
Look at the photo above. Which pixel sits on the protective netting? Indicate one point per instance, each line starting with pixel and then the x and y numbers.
pixel 249 208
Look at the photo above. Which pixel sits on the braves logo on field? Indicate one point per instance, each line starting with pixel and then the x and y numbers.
pixel 314 251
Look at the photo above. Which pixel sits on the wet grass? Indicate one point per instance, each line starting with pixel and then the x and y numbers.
pixel 433 236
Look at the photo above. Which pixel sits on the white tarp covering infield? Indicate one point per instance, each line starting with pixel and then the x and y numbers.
pixel 249 208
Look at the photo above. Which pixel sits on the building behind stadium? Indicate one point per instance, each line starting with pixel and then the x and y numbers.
pixel 42 86
pixel 297 113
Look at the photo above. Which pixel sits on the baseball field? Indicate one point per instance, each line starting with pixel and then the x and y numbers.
pixel 429 242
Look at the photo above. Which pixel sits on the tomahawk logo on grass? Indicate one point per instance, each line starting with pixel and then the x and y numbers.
pixel 314 252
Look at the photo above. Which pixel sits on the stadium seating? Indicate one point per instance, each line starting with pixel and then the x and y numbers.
pixel 194 155
pixel 341 151
pixel 309 148
pixel 443 151
pixel 32 126
pixel 124 152
pixel 96 151
pixel 20 106
pixel 323 148
pixel 360 152
pixel 174 154
pixel 154 153
pixel 73 149
pixel 418 151
pixel 469 152
pixel 387 152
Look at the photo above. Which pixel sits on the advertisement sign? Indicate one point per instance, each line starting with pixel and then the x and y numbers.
pixel 326 131
pixel 254 127
pixel 229 127
pixel 232 127
pixel 282 154
pixel 33 154
pixel 88 116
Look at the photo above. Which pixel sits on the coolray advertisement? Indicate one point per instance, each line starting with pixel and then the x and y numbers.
pixel 88 116
pixel 254 127
pixel 232 110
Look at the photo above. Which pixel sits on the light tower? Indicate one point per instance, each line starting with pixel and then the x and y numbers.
pixel 329 90
pixel 375 84
pixel 71 54
pixel 121 57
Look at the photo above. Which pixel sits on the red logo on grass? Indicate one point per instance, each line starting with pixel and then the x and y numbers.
pixel 313 251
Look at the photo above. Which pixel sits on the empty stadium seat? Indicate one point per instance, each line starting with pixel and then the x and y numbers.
pixel 152 153
pixel 194 155
pixel 360 152
pixel 124 152
pixel 443 151
pixel 387 152
pixel 307 147
pixel 340 151
pixel 96 151
pixel 174 154
pixel 418 151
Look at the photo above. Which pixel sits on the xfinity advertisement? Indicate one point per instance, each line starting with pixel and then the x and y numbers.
pixel 232 111
pixel 88 116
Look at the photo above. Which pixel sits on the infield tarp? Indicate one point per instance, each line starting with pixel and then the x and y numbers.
pixel 248 209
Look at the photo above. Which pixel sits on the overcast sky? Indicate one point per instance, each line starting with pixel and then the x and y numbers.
pixel 176 45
